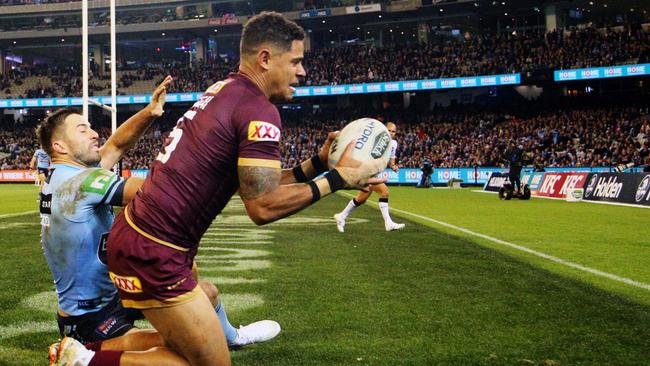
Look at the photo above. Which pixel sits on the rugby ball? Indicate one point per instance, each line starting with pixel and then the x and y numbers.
pixel 371 141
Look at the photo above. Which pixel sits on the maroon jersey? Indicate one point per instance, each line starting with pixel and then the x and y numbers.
pixel 195 174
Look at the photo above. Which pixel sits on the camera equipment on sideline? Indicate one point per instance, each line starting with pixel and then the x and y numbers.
pixel 508 192
pixel 427 170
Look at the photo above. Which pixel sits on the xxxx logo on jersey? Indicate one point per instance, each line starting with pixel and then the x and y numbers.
pixel 126 283
pixel 263 131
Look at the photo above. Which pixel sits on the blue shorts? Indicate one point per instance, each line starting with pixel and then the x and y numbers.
pixel 44 171
pixel 110 322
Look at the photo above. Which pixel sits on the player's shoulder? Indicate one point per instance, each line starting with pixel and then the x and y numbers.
pixel 85 180
pixel 236 84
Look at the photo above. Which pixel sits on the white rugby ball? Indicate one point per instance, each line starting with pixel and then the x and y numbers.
pixel 371 137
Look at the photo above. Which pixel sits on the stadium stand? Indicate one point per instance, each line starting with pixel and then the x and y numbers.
pixel 568 138
pixel 443 56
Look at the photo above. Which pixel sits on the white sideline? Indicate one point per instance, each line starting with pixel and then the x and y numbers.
pixel 17 214
pixel 586 201
pixel 580 267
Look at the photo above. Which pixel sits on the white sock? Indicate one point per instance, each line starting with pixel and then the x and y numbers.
pixel 383 207
pixel 348 209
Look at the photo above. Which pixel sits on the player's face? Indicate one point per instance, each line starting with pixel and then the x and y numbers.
pixel 285 70
pixel 81 141
pixel 392 129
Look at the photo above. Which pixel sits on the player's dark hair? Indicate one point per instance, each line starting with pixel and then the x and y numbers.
pixel 50 124
pixel 269 27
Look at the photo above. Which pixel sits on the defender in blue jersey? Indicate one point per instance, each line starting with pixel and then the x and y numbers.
pixel 41 162
pixel 76 216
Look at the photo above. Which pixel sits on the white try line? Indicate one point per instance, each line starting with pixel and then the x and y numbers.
pixel 561 261
pixel 17 214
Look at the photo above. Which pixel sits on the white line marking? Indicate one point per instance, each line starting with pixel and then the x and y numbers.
pixel 231 242
pixel 561 261
pixel 230 281
pixel 17 214
pixel 229 265
pixel 238 253
pixel 12 330
pixel 585 201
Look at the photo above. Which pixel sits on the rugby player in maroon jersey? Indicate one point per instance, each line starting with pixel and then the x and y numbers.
pixel 228 142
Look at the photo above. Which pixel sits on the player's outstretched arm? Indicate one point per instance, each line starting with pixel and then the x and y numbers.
pixel 266 200
pixel 131 187
pixel 311 168
pixel 130 131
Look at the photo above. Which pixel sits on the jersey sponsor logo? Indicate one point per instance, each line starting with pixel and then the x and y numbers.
pixel 129 284
pixel 176 284
pixel 89 304
pixel 263 131
pixel 106 326
pixel 98 181
pixel 216 87
pixel 643 191
pixel 101 249
pixel 46 204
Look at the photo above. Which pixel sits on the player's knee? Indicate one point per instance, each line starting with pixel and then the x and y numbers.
pixel 362 197
pixel 210 291
pixel 383 193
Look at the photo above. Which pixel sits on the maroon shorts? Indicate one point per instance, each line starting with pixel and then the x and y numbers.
pixel 148 272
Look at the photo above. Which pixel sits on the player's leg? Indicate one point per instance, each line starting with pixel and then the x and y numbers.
pixel 134 340
pixel 189 329
pixel 389 224
pixel 357 201
pixel 212 293
pixel 259 331
pixel 71 352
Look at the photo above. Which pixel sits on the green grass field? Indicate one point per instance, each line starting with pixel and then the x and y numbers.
pixel 470 281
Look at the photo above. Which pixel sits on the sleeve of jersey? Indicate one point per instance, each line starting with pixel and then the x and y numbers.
pixel 393 149
pixel 103 186
pixel 259 140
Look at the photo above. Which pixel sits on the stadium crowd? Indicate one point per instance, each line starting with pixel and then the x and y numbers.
pixel 308 4
pixel 581 137
pixel 484 54
pixel 578 137
pixel 32 2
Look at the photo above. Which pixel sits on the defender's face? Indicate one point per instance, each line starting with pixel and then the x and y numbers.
pixel 285 70
pixel 81 141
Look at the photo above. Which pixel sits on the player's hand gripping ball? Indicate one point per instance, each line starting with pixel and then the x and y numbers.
pixel 371 141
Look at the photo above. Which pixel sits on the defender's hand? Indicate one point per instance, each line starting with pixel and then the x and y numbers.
pixel 356 174
pixel 158 98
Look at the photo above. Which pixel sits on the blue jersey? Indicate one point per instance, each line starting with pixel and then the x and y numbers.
pixel 76 216
pixel 42 159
